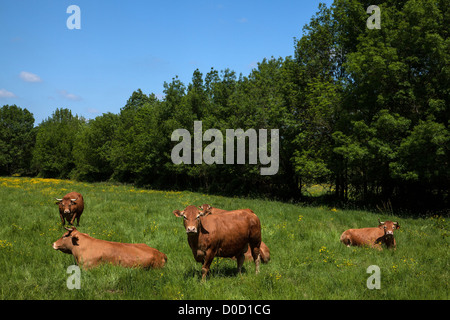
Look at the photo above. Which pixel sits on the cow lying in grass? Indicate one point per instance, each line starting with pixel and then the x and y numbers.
pixel 90 252
pixel 264 249
pixel 372 237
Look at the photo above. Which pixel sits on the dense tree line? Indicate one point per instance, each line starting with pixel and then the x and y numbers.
pixel 365 111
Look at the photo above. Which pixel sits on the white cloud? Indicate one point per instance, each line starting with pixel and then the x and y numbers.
pixel 30 77
pixel 93 111
pixel 69 96
pixel 6 94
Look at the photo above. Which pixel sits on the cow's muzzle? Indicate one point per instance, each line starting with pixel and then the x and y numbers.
pixel 191 230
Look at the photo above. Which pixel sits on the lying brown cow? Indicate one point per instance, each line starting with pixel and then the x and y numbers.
pixel 90 252
pixel 264 249
pixel 71 206
pixel 373 237
pixel 223 235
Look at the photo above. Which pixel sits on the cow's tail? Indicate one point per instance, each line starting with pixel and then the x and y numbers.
pixel 255 240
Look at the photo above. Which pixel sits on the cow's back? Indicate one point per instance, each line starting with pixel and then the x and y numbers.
pixel 93 251
pixel 217 210
pixel 231 231
pixel 264 249
pixel 360 237
pixel 80 201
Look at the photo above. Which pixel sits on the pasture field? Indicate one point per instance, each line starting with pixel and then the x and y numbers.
pixel 307 259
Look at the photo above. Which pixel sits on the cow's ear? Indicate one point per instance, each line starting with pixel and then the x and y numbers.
pixel 206 211
pixel 177 213
pixel 70 229
pixel 75 240
pixel 58 201
pixel 397 226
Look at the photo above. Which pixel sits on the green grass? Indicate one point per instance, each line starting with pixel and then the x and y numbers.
pixel 307 259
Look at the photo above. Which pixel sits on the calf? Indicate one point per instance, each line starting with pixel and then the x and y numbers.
pixel 90 252
pixel 264 249
pixel 223 235
pixel 71 206
pixel 373 237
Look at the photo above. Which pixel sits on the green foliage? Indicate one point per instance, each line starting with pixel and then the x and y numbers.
pixel 423 155
pixel 93 147
pixel 389 83
pixel 17 138
pixel 53 152
pixel 365 111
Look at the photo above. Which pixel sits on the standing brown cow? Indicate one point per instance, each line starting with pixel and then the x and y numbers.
pixel 264 249
pixel 71 206
pixel 223 235
pixel 373 237
pixel 90 252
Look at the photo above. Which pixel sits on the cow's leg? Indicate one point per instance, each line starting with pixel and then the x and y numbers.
pixel 256 256
pixel 240 261
pixel 209 257
pixel 78 220
pixel 73 218
pixel 62 220
pixel 257 262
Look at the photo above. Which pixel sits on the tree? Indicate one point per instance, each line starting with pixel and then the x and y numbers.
pixel 17 137
pixel 422 164
pixel 128 149
pixel 93 147
pixel 53 152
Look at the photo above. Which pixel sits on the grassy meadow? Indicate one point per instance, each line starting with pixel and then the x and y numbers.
pixel 307 259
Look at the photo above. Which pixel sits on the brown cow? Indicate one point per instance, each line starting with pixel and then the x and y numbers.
pixel 90 252
pixel 223 235
pixel 264 249
pixel 373 237
pixel 71 206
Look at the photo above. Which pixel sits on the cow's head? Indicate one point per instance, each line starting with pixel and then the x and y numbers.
pixel 67 241
pixel 205 207
pixel 191 216
pixel 66 204
pixel 388 227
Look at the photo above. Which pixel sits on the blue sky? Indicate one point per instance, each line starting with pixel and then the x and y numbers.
pixel 126 45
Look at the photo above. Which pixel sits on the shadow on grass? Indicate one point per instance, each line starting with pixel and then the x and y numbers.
pixel 224 271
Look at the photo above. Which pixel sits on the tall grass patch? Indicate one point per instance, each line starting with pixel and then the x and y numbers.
pixel 307 259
